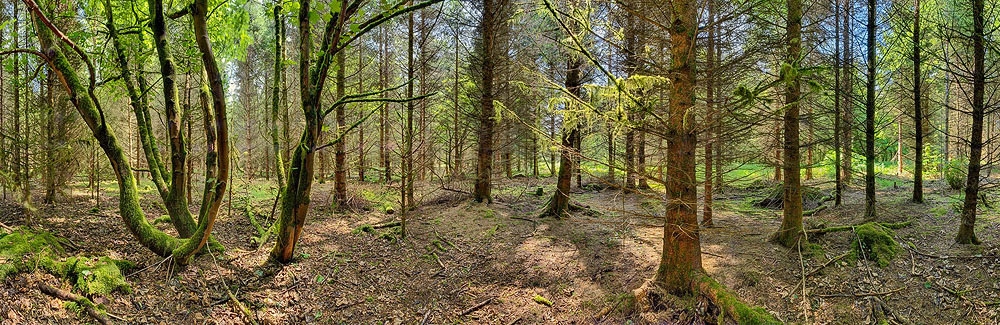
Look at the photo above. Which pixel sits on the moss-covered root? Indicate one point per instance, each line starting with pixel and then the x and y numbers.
pixel 650 295
pixel 874 242
pixel 731 305
pixel 92 310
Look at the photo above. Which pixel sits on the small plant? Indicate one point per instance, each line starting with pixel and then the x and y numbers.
pixel 955 172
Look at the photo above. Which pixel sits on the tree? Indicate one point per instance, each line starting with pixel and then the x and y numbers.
pixel 89 107
pixel 967 229
pixel 681 257
pixel 791 231
pixel 489 26
pixel 870 115
pixel 279 68
pixel 918 118
pixel 837 115
pixel 341 29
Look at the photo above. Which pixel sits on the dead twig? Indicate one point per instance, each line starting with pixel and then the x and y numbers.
pixel 859 295
pixel 476 307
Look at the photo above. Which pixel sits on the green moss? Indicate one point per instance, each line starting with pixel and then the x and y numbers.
pixel 162 219
pixel 744 314
pixel 489 214
pixel 875 243
pixel 100 275
pixel 24 250
pixel 73 307
pixel 364 229
pixel 542 300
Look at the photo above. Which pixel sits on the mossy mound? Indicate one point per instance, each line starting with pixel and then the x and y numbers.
pixel 100 275
pixel 26 250
pixel 875 243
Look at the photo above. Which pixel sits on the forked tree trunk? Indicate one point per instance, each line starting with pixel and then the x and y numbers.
pixel 558 206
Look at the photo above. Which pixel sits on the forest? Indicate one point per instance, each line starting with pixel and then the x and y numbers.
pixel 499 162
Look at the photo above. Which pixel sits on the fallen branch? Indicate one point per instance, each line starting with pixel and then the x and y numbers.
pixel 816 270
pixel 859 295
pixel 476 307
pixel 81 301
pixel 387 225
pixel 890 225
pixel 6 227
pixel 243 308
pixel 814 211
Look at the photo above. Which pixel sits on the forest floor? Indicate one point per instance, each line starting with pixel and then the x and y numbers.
pixel 463 262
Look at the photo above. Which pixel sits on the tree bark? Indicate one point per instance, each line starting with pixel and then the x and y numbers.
pixel 340 151
pixel 837 119
pixel 558 206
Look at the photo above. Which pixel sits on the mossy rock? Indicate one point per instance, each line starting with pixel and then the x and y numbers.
pixel 874 242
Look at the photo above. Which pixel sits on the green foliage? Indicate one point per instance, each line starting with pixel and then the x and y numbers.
pixel 875 243
pixel 955 172
pixel 365 228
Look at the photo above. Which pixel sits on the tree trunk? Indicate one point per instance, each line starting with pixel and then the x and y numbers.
pixel 848 125
pixel 484 167
pixel 710 116
pixel 340 152
pixel 559 204
pixel 837 90
pixel 790 233
pixel 967 229
pixel 870 117
pixel 279 68
pixel 918 116
pixel 681 257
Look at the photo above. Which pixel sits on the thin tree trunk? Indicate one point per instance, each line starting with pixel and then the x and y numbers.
pixel 559 204
pixel 837 90
pixel 918 114
pixel 791 232
pixel 848 126
pixel 710 117
pixel 279 68
pixel 967 229
pixel 340 152
pixel 870 117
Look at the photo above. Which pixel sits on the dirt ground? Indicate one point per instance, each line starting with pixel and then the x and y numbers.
pixel 463 262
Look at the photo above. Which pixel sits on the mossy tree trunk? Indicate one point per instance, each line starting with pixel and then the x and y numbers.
pixel 83 98
pixel 338 34
pixel 279 68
